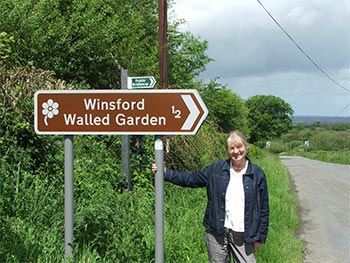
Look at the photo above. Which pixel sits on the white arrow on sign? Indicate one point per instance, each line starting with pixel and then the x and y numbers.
pixel 194 112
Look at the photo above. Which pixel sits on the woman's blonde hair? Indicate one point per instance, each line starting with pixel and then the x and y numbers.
pixel 237 138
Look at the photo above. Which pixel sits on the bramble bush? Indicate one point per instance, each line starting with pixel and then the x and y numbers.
pixel 330 140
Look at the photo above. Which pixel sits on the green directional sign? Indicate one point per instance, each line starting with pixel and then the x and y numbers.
pixel 146 82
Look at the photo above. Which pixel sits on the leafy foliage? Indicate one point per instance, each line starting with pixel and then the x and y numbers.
pixel 84 40
pixel 335 140
pixel 269 117
pixel 91 41
pixel 104 214
pixel 187 58
pixel 30 169
pixel 19 144
pixel 225 107
pixel 195 152
pixel 6 42
pixel 323 142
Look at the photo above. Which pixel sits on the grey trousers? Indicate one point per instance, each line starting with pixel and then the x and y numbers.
pixel 221 247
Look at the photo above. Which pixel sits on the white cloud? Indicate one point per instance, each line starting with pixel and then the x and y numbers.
pixel 302 17
pixel 253 56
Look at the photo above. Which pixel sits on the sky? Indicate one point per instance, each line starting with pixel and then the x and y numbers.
pixel 253 56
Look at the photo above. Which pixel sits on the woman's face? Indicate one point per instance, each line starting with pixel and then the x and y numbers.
pixel 236 152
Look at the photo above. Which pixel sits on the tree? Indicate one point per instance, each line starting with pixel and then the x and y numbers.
pixel 91 41
pixel 225 107
pixel 269 117
pixel 82 40
pixel 187 58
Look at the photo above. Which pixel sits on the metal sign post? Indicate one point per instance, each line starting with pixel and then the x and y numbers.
pixel 159 200
pixel 125 141
pixel 68 196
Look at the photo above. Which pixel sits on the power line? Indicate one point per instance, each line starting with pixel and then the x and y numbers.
pixel 347 106
pixel 302 51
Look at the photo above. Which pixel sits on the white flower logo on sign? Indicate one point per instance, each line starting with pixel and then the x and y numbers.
pixel 50 109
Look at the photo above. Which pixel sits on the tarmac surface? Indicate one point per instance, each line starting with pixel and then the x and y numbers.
pixel 323 192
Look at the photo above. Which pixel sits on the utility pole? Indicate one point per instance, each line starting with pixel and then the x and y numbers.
pixel 158 146
pixel 162 43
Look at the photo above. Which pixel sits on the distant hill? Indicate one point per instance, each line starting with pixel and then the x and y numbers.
pixel 308 120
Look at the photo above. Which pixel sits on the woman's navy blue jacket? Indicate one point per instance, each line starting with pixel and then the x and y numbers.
pixel 215 178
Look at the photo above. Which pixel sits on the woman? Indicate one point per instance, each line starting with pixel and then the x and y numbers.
pixel 237 214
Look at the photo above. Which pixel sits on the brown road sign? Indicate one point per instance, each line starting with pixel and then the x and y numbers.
pixel 118 112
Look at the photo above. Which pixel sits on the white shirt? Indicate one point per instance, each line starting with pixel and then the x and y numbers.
pixel 235 200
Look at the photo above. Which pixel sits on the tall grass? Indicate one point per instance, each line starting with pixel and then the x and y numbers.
pixel 282 243
pixel 184 232
pixel 339 157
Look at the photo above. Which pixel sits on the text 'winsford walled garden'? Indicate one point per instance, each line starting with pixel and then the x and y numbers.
pixel 89 119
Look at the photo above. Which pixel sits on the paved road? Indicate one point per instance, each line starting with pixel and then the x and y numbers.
pixel 323 191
